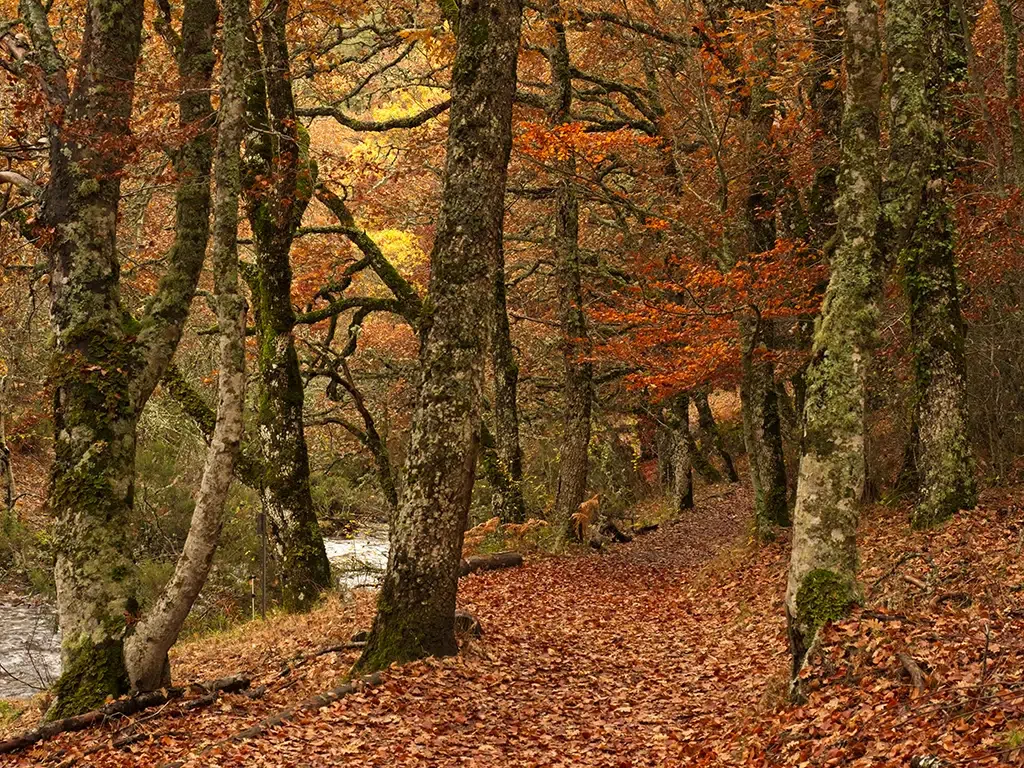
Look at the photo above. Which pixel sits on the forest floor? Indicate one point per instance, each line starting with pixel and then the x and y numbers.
pixel 667 651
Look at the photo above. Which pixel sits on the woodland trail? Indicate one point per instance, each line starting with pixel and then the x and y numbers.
pixel 603 660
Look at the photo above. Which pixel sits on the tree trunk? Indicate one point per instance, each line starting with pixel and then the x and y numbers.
pixel 105 364
pixel 416 606
pixel 762 433
pixel 276 151
pixel 577 384
pixel 712 435
pixel 823 566
pixel 919 216
pixel 507 498
pixel 1011 54
pixel 92 477
pixel 682 468
pixel 146 648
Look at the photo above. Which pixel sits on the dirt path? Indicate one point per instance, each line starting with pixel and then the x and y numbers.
pixel 604 660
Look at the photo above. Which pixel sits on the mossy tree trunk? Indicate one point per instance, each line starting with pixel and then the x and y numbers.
pixel 507 498
pixel 275 151
pixel 918 215
pixel 757 234
pixel 822 573
pixel 577 382
pixel 416 606
pixel 105 364
pixel 146 648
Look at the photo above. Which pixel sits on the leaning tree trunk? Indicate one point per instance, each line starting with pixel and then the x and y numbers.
pixel 416 607
pixel 823 565
pixel 146 648
pixel 682 467
pixel 919 218
pixel 275 150
pixel 578 377
pixel 507 496
pixel 1011 57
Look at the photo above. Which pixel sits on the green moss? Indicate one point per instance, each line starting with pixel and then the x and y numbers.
pixel 823 596
pixel 93 672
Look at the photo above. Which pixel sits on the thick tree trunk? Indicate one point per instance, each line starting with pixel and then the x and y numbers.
pixel 823 566
pixel 712 436
pixel 276 151
pixel 1011 56
pixel 682 468
pixel 762 433
pixel 146 648
pixel 507 498
pixel 577 387
pixel 919 218
pixel 92 478
pixel 416 607
pixel 105 364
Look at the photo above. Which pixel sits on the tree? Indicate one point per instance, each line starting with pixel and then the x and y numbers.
pixel 146 648
pixel 416 606
pixel 105 362
pixel 1011 57
pixel 678 413
pixel 823 566
pixel 278 180
pixel 508 454
pixel 577 382
pixel 918 216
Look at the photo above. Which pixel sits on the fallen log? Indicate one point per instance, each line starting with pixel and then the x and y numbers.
pixel 120 708
pixel 643 529
pixel 490 562
pixel 309 705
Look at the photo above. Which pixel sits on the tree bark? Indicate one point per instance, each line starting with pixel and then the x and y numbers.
pixel 577 387
pixel 416 606
pixel 276 151
pixel 146 648
pixel 507 495
pixel 919 217
pixel 823 565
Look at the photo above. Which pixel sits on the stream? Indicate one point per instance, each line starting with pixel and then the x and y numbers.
pixel 30 642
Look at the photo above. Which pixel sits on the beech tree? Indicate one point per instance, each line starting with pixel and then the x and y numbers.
pixel 577 383
pixel 105 362
pixel 918 218
pixel 416 606
pixel 823 565
pixel 278 181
